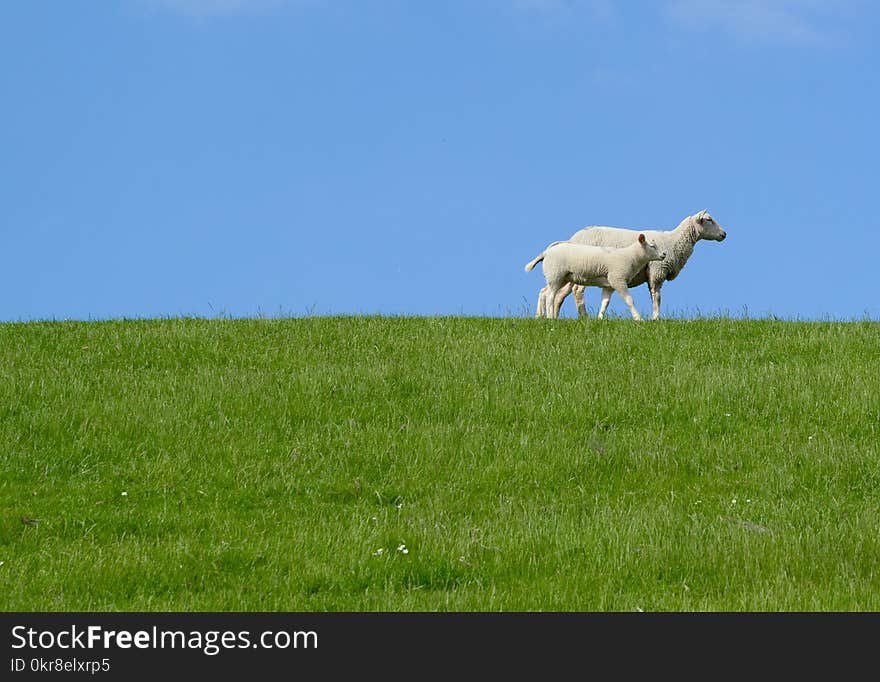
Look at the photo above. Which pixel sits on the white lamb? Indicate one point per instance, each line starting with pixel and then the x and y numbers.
pixel 602 266
pixel 678 244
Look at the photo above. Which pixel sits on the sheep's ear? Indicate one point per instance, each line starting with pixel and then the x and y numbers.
pixel 641 238
pixel 701 216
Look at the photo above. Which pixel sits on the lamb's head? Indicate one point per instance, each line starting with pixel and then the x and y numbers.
pixel 707 228
pixel 650 248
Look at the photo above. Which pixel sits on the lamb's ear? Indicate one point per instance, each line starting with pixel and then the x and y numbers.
pixel 641 238
pixel 702 215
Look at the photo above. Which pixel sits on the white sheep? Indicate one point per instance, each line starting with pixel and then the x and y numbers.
pixel 678 244
pixel 602 266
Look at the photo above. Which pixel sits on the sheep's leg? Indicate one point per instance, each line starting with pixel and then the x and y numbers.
pixel 655 300
pixel 606 299
pixel 623 290
pixel 560 297
pixel 549 309
pixel 579 299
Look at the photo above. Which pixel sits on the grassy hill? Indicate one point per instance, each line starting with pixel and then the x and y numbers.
pixel 371 463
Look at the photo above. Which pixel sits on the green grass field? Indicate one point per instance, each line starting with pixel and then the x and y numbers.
pixel 375 463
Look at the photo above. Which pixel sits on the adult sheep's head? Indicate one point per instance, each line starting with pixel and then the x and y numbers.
pixel 707 228
pixel 650 247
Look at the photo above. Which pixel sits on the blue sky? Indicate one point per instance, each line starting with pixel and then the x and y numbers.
pixel 289 157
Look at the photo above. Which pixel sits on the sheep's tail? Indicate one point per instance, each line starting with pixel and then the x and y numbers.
pixel 540 257
pixel 532 263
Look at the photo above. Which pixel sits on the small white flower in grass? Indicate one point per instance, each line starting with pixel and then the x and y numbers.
pixel 2 562
pixel 400 506
pixel 402 549
pixel 809 438
pixel 733 501
pixel 124 493
pixel 748 500
pixel 379 552
pixel 727 414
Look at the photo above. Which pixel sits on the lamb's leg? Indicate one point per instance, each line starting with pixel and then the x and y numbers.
pixel 539 311
pixel 606 299
pixel 560 297
pixel 655 299
pixel 579 300
pixel 623 290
